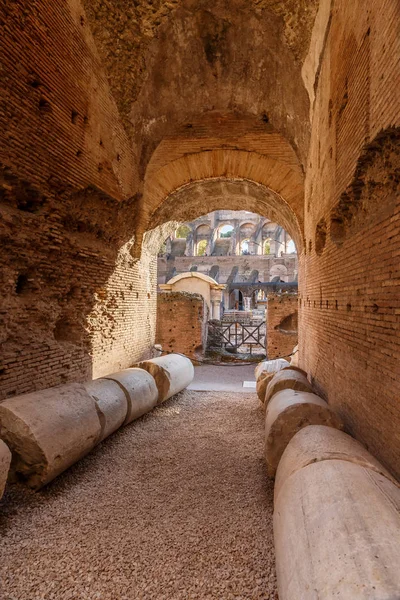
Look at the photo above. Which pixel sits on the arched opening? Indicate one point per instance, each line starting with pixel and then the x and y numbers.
pixel 267 246
pixel 225 231
pixel 234 300
pixel 182 232
pixel 201 247
pixel 278 273
pixel 245 247
pixel 240 301
pixel 291 247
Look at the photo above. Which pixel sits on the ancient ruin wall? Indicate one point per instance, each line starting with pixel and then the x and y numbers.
pixel 66 207
pixel 350 277
pixel 182 323
pixel 281 325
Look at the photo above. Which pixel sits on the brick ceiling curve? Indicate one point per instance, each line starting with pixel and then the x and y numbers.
pixel 198 198
pixel 166 61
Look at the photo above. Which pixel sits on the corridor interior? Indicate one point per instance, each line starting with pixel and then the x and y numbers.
pixel 121 120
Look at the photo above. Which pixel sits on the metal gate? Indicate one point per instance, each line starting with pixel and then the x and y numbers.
pixel 240 336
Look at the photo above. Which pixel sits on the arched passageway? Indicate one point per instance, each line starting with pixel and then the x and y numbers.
pixel 121 120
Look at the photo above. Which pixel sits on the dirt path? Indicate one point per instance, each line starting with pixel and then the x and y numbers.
pixel 176 506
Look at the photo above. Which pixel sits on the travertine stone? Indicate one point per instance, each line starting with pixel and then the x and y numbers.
pixel 264 372
pixel 317 443
pixel 293 368
pixel 294 361
pixel 270 366
pixel 48 431
pixel 337 534
pixel 287 379
pixel 112 404
pixel 140 391
pixel 172 373
pixel 262 384
pixel 287 413
pixel 5 460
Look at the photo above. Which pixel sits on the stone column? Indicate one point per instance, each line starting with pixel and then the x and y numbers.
pixel 247 303
pixel 216 297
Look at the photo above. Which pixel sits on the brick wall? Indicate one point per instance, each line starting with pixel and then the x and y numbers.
pixel 182 323
pixel 73 302
pixel 281 324
pixel 350 276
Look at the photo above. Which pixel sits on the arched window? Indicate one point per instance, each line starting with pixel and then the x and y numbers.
pixel 225 231
pixel 182 231
pixel 278 273
pixel 244 247
pixel 291 247
pixel 201 247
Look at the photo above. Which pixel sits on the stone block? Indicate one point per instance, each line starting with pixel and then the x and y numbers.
pixel 172 374
pixel 287 413
pixel 287 379
pixel 270 366
pixel 264 372
pixel 48 431
pixel 140 391
pixel 262 384
pixel 294 368
pixel 337 534
pixel 317 443
pixel 112 404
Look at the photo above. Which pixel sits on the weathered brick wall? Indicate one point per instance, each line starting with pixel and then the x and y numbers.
pixel 281 324
pixel 182 323
pixel 71 307
pixel 350 276
pixel 66 207
pixel 123 319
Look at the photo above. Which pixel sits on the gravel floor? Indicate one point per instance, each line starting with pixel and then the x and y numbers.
pixel 175 506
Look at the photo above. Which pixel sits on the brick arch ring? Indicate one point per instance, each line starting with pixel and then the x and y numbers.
pixel 197 198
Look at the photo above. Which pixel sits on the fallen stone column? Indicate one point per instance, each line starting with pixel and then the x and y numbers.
pixel 48 431
pixel 112 404
pixel 317 443
pixel 5 461
pixel 140 391
pixel 337 534
pixel 287 378
pixel 287 413
pixel 172 374
pixel 264 372
pixel 294 368
pixel 270 366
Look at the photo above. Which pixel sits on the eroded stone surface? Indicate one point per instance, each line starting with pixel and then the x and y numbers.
pixel 111 402
pixel 270 366
pixel 287 379
pixel 316 443
pixel 288 412
pixel 172 374
pixel 140 391
pixel 337 534
pixel 48 431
